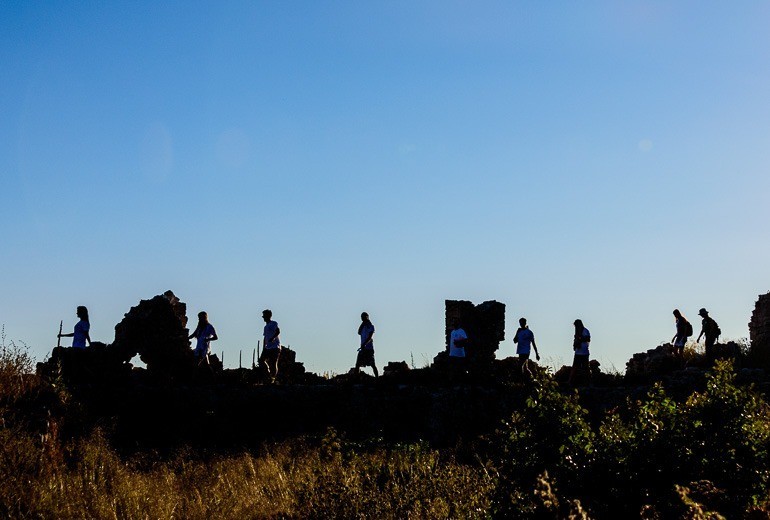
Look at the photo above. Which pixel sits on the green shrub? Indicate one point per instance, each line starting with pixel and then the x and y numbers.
pixel 549 436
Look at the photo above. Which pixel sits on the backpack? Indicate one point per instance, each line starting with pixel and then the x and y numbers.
pixel 688 329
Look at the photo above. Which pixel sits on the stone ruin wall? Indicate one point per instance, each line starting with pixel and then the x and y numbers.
pixel 759 332
pixel 484 324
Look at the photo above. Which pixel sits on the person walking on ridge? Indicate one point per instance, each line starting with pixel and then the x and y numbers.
pixel 524 338
pixel 683 331
pixel 271 350
pixel 365 356
pixel 580 345
pixel 81 333
pixel 711 331
pixel 204 333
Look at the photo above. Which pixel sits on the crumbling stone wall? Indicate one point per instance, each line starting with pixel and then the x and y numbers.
pixel 484 324
pixel 759 332
pixel 156 329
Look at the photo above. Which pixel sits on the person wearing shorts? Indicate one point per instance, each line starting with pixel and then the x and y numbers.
pixel 365 356
pixel 204 333
pixel 272 345
pixel 525 341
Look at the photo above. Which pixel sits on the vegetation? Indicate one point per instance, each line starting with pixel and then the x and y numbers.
pixel 704 456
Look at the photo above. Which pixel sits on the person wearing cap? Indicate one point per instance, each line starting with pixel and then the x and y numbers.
pixel 365 356
pixel 271 350
pixel 710 330
pixel 525 338
pixel 580 345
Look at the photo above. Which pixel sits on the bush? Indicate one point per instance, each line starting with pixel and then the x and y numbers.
pixel 549 439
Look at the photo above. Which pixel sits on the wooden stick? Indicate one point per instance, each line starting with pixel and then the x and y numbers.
pixel 58 338
pixel 240 355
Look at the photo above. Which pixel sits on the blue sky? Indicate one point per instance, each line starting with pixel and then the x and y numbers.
pixel 601 160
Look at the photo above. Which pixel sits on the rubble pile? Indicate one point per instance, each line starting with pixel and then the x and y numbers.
pixel 759 332
pixel 659 361
pixel 663 361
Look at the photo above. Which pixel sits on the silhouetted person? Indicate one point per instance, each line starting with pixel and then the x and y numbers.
pixel 205 334
pixel 80 336
pixel 580 345
pixel 457 341
pixel 683 331
pixel 365 356
pixel 271 351
pixel 711 331
pixel 525 338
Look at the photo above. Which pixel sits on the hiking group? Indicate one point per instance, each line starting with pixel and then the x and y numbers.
pixel 710 331
pixel 524 339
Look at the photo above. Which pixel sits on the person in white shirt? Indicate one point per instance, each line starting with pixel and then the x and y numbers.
pixel 204 333
pixel 81 334
pixel 365 356
pixel 580 345
pixel 272 345
pixel 457 340
pixel 525 339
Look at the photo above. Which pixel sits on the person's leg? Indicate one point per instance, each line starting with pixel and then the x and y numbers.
pixel 275 362
pixel 710 350
pixel 374 366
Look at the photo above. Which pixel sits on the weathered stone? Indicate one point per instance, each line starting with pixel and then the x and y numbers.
pixel 156 331
pixel 394 368
pixel 759 332
pixel 484 324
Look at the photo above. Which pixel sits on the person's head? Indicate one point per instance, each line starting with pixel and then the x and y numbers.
pixel 455 323
pixel 267 315
pixel 522 322
pixel 203 317
pixel 703 312
pixel 364 316
pixel 82 312
pixel 677 314
pixel 579 325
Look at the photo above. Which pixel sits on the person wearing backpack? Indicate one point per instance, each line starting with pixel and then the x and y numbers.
pixel 711 331
pixel 683 331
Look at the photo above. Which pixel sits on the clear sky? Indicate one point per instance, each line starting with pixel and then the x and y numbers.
pixel 599 160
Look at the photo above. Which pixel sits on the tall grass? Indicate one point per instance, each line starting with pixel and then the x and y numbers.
pixel 289 481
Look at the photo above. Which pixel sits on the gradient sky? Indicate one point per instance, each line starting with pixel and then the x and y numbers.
pixel 601 160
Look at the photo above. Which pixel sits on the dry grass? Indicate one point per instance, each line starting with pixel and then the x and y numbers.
pixel 88 480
